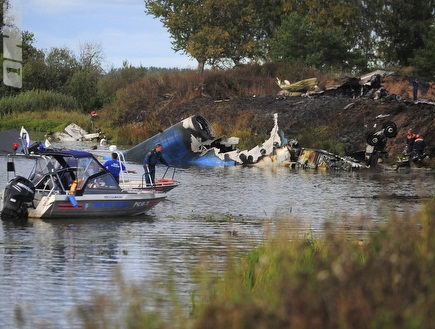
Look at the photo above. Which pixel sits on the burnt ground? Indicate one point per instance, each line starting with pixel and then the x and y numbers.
pixel 348 119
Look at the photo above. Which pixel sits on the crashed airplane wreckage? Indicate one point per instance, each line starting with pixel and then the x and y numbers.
pixel 73 132
pixel 192 142
pixel 189 142
pixel 367 86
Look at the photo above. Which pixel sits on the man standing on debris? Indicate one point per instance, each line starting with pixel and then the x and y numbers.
pixel 410 138
pixel 415 89
pixel 150 161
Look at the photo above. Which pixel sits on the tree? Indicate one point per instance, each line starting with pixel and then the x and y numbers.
pixel 118 78
pixel 237 28
pixel 35 71
pixel 61 65
pixel 364 39
pixel 188 24
pixel 424 59
pixel 83 87
pixel 83 84
pixel 400 27
pixel 327 15
pixel 91 57
pixel 296 40
pixel 213 30
pixel 290 42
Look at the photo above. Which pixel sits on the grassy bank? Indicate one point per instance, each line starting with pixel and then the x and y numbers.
pixel 334 281
pixel 43 122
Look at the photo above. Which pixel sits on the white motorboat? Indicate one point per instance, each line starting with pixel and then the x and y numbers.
pixel 72 184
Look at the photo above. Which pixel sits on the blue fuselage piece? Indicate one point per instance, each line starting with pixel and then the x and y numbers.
pixel 184 144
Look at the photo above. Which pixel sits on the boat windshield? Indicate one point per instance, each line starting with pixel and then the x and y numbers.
pixel 41 169
pixel 51 169
pixel 87 167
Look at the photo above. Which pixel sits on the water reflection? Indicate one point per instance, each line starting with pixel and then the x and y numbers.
pixel 281 192
pixel 49 266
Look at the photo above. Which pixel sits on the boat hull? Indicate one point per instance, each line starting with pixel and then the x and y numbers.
pixel 110 205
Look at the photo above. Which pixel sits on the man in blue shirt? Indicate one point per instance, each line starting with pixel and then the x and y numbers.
pixel 115 166
pixel 150 161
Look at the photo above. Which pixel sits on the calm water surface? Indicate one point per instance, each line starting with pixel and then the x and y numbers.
pixel 49 267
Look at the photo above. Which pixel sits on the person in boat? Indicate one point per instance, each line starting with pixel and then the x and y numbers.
pixel 115 166
pixel 150 161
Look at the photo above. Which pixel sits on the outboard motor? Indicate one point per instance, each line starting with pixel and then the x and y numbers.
pixel 18 194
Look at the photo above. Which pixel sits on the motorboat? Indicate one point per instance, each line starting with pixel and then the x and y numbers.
pixel 71 184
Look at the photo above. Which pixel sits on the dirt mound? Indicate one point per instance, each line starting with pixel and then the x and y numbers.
pixel 403 87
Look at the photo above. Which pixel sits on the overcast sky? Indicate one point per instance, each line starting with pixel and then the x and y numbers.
pixel 121 27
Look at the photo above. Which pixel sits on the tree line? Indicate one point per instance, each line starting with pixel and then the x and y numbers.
pixel 331 35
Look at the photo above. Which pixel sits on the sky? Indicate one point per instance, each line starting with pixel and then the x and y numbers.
pixel 121 27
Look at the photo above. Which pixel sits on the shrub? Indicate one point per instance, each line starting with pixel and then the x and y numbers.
pixel 33 101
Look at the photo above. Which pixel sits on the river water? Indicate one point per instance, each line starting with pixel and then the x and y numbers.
pixel 49 267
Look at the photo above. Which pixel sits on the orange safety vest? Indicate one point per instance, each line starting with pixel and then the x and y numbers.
pixel 73 188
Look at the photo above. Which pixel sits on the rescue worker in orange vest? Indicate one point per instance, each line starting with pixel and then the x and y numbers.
pixel 410 138
pixel 419 146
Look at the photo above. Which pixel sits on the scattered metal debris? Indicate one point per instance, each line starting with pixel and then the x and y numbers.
pixel 368 86
pixel 192 142
pixel 73 132
pixel 305 87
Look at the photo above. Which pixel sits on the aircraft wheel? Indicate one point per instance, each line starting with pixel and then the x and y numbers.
pixel 376 140
pixel 373 139
pixel 390 129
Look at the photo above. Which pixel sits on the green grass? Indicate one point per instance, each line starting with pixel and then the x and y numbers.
pixel 46 121
pixel 36 100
